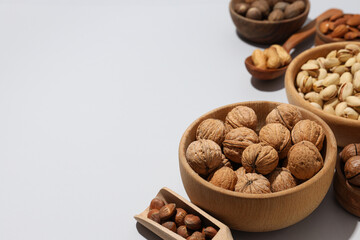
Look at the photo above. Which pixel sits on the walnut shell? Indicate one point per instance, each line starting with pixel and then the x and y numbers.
pixel 349 151
pixel 241 116
pixel 225 178
pixel 240 172
pixel 277 136
pixel 352 170
pixel 204 156
pixel 310 131
pixel 285 114
pixel 260 158
pixel 253 183
pixel 304 160
pixel 281 179
pixel 212 129
pixel 236 141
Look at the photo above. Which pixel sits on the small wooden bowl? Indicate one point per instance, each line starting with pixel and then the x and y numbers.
pixel 346 194
pixel 345 130
pixel 264 31
pixel 258 212
pixel 169 196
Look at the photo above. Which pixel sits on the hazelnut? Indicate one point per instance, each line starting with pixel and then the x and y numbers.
pixel 236 141
pixel 156 203
pixel 304 160
pixel 209 232
pixel 263 6
pixel 352 170
pixel 179 216
pixel 204 156
pixel 253 13
pixel 253 183
pixel 276 15
pixel 241 116
pixel 294 9
pixel 260 158
pixel 211 129
pixel 183 231
pixel 154 215
pixel 197 236
pixel 241 8
pixel 277 136
pixel 285 114
pixel 349 151
pixel 192 222
pixel 310 131
pixel 225 178
pixel 167 211
pixel 170 225
pixel 281 179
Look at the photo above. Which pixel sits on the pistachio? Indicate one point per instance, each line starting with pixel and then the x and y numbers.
pixel 328 92
pixel 331 62
pixel 353 101
pixel 285 57
pixel 314 97
pixel 331 79
pixel 333 103
pixel 322 73
pixel 300 76
pixel 321 61
pixel 316 105
pixel 329 109
pixel 355 67
pixel 339 69
pixel 318 86
pixel 331 54
pixel 354 48
pixel 350 113
pixel 343 55
pixel 351 61
pixel 345 90
pixel 356 81
pixel 309 66
pixel 346 77
pixel 339 109
pixel 306 84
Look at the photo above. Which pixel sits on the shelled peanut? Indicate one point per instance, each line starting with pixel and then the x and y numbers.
pixel 273 57
pixel 342 26
pixel 332 83
pixel 350 156
pixel 178 220
pixel 281 154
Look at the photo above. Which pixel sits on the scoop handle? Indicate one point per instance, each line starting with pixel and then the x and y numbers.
pixel 308 30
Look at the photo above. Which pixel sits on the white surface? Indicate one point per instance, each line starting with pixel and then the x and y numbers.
pixel 94 97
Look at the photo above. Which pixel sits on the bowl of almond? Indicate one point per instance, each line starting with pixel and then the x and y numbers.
pixel 257 166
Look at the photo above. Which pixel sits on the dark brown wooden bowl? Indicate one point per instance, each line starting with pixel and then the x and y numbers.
pixel 264 31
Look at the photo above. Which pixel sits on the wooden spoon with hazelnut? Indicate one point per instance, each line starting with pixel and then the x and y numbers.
pixel 294 40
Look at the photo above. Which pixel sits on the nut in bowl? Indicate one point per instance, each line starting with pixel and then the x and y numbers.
pixel 261 22
pixel 326 81
pixel 266 195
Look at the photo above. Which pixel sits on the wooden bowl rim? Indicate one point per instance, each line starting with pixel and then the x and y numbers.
pixel 329 39
pixel 290 83
pixel 331 149
pixel 267 22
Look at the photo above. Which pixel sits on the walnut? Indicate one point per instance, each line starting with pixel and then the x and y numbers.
pixel 260 158
pixel 225 178
pixel 204 156
pixel 285 114
pixel 304 160
pixel 236 141
pixel 281 179
pixel 253 183
pixel 352 170
pixel 241 116
pixel 240 172
pixel 277 136
pixel 212 129
pixel 310 131
pixel 349 151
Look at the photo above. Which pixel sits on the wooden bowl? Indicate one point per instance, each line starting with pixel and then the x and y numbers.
pixel 266 32
pixel 345 130
pixel 346 194
pixel 169 196
pixel 258 212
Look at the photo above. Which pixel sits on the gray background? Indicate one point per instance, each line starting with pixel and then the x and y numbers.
pixel 94 97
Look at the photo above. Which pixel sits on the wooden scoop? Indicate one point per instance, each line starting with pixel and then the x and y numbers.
pixel 293 41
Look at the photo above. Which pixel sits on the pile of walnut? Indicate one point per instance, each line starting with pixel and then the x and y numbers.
pixel 332 83
pixel 271 10
pixel 233 156
pixel 350 156
pixel 179 221
pixel 273 57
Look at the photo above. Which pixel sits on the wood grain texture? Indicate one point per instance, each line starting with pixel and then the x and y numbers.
pixel 345 130
pixel 347 195
pixel 258 212
pixel 267 32
pixel 169 196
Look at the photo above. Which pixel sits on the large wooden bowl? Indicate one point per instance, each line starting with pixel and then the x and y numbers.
pixel 266 32
pixel 346 130
pixel 258 212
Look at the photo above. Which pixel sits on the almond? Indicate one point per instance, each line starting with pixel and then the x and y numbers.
pixel 352 29
pixel 340 21
pixel 336 16
pixel 339 31
pixel 331 26
pixel 354 20
pixel 324 27
pixel 351 35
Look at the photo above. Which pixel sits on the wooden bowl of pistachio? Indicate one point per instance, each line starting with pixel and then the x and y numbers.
pixel 257 166
pixel 326 81
pixel 268 21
